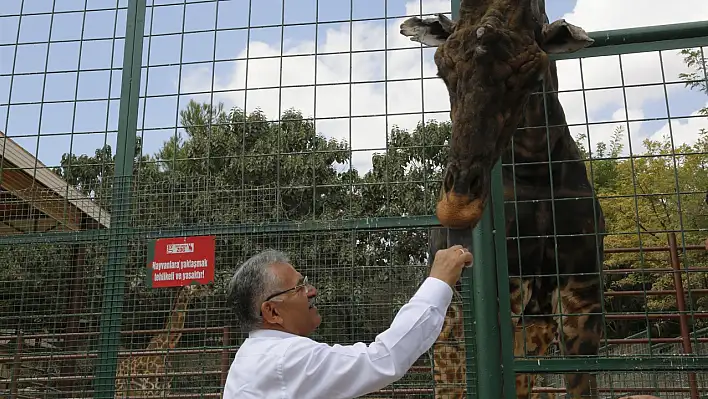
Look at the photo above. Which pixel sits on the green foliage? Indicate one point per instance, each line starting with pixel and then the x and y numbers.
pixel 643 199
pixel 603 171
pixel 697 77
pixel 695 59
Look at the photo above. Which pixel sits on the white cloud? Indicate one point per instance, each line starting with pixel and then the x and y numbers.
pixel 345 92
pixel 368 103
pixel 642 72
pixel 683 130
pixel 597 15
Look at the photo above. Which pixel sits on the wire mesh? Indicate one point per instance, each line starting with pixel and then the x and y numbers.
pixel 316 129
pixel 59 90
pixel 665 385
pixel 652 191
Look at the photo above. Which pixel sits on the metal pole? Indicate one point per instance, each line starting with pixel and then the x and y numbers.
pixel 681 306
pixel 16 366
pixel 502 268
pixel 486 309
pixel 642 39
pixel 114 277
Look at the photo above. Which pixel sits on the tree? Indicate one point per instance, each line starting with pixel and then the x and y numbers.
pixel 643 198
pixel 697 77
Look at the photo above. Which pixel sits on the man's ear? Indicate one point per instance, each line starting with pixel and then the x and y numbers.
pixel 562 37
pixel 432 31
pixel 270 313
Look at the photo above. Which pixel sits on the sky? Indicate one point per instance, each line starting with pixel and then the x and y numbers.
pixel 74 86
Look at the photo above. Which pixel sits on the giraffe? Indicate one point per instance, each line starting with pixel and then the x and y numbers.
pixel 129 383
pixel 503 95
pixel 449 363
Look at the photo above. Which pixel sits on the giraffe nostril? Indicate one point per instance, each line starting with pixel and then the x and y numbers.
pixel 474 182
pixel 449 180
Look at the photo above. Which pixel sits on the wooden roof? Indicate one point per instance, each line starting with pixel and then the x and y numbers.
pixel 33 199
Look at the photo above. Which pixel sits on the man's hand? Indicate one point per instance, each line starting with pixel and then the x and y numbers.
pixel 449 263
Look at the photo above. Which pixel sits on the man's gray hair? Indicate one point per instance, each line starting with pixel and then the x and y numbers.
pixel 253 281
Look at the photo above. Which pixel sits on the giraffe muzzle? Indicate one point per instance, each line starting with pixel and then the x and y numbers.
pixel 456 211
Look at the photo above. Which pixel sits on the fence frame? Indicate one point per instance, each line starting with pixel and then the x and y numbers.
pixel 114 275
pixel 483 284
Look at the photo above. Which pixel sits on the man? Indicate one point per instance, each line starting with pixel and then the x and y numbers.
pixel 275 303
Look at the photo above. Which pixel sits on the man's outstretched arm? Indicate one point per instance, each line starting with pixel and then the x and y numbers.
pixel 317 370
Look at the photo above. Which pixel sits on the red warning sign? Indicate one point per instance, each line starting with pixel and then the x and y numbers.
pixel 180 261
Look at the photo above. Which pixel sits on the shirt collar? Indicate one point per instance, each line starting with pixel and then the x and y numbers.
pixel 268 333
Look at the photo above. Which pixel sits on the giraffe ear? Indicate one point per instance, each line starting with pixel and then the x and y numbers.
pixel 429 31
pixel 562 37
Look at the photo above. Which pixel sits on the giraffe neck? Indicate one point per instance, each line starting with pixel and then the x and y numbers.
pixel 449 360
pixel 543 134
pixel 169 338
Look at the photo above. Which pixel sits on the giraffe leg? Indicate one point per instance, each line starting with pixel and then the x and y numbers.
pixel 533 339
pixel 449 367
pixel 449 361
pixel 581 330
pixel 520 294
pixel 532 335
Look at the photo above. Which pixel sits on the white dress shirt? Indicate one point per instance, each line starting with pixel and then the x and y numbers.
pixel 271 364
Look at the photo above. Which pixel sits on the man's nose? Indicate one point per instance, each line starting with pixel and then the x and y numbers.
pixel 311 291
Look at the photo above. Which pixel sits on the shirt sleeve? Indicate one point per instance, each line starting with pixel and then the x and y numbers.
pixel 318 370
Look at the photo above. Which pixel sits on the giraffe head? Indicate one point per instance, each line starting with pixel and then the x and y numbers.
pixel 491 60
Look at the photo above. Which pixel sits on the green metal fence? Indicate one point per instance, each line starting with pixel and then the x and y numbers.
pixel 345 182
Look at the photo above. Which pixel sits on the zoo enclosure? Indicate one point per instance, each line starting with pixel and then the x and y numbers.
pixel 94 259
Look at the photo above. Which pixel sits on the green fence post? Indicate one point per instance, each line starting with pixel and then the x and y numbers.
pixel 114 277
pixel 486 309
pixel 502 266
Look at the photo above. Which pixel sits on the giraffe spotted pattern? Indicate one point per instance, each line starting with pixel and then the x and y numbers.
pixel 145 376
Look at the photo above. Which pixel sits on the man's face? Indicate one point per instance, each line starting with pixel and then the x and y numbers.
pixel 292 309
